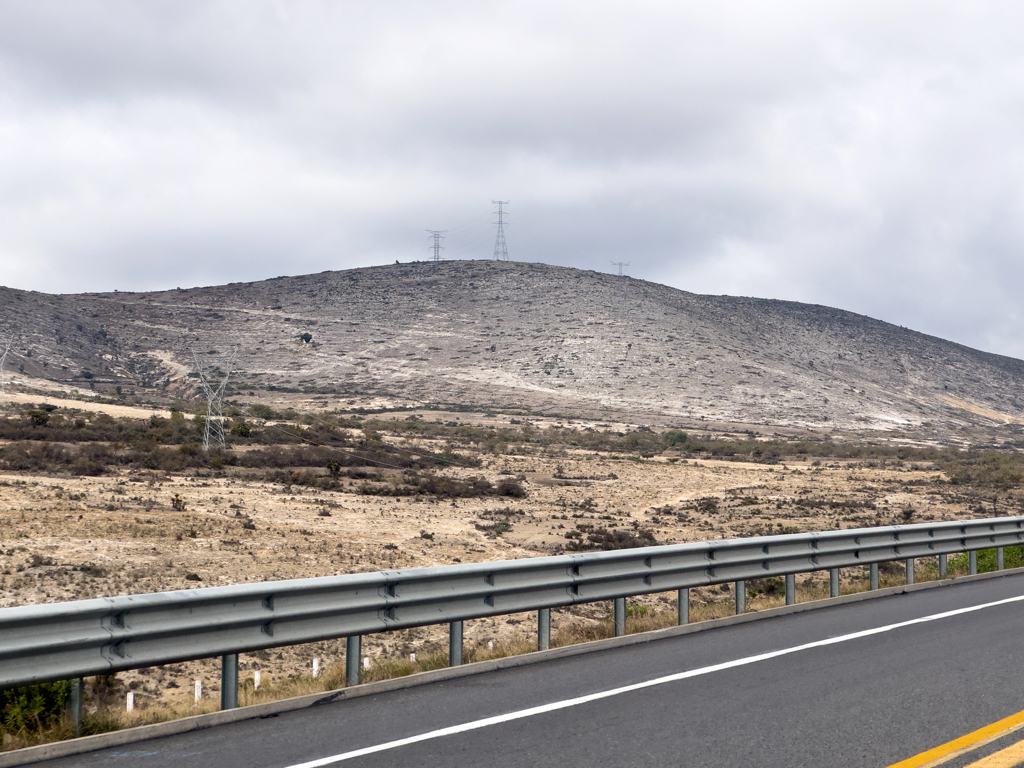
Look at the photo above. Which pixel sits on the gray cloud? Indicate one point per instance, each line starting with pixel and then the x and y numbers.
pixel 862 155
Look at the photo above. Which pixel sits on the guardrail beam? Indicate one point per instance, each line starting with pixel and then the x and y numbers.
pixel 100 636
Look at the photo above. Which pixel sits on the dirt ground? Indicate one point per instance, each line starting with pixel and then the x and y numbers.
pixel 69 538
pixel 66 538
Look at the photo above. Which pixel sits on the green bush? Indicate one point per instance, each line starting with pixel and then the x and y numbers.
pixel 674 437
pixel 33 707
pixel 1013 557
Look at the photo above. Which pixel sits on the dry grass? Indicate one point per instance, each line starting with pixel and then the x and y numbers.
pixel 77 537
pixel 92 723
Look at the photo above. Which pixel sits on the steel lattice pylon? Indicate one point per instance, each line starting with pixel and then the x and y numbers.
pixel 500 247
pixel 3 381
pixel 437 234
pixel 214 432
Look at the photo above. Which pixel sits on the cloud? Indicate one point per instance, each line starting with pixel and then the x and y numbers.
pixel 860 155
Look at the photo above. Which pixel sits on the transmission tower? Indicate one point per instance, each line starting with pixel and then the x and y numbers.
pixel 214 432
pixel 500 248
pixel 437 235
pixel 620 265
pixel 3 381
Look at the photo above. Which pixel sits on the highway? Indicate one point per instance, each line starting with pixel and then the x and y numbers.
pixel 863 684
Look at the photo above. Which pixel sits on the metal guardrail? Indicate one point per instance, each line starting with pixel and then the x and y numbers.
pixel 105 635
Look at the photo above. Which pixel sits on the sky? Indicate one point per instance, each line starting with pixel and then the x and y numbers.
pixel 862 155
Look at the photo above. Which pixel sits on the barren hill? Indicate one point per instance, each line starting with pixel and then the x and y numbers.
pixel 505 334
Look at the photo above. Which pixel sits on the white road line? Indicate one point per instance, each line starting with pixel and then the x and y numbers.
pixel 566 703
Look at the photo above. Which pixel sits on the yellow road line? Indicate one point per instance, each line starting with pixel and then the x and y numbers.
pixel 1010 757
pixel 956 747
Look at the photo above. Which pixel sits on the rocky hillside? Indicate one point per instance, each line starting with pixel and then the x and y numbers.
pixel 503 334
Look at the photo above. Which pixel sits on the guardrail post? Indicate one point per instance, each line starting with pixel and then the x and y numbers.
pixel 972 562
pixel 942 566
pixel 455 644
pixel 229 681
pixel 683 604
pixel 790 589
pixel 999 558
pixel 353 650
pixel 75 706
pixel 833 582
pixel 619 616
pixel 873 576
pixel 741 597
pixel 543 629
pixel 910 570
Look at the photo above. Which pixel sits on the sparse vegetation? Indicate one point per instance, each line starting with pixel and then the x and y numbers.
pixel 340 461
pixel 298 495
pixel 605 540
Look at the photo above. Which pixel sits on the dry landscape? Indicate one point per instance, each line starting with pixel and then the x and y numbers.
pixel 422 415
pixel 70 533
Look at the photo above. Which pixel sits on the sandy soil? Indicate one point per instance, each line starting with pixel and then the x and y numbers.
pixel 117 411
pixel 71 538
pixel 19 388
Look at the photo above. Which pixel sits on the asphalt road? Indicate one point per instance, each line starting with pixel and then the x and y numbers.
pixel 861 701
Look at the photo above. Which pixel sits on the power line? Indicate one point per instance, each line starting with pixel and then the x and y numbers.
pixel 214 431
pixel 620 265
pixel 437 235
pixel 500 247
pixel 471 243
pixel 476 221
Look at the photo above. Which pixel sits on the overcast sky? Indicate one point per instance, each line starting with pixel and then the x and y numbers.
pixel 863 155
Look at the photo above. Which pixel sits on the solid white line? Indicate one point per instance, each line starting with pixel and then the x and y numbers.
pixel 566 703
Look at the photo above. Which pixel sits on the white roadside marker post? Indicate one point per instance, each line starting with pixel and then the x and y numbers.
pixel 131 700
pixel 316 668
pixel 256 680
pixel 199 691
